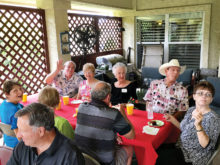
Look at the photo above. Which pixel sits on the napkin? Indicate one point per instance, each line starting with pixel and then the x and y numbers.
pixel 150 130
pixel 76 102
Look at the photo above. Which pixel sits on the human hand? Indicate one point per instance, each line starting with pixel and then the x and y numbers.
pixel 197 115
pixel 119 140
pixel 59 65
pixel 169 118
pixel 122 108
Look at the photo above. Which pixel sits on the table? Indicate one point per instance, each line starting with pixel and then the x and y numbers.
pixel 66 111
pixel 144 144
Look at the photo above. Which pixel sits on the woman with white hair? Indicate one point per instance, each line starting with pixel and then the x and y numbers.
pixel 122 89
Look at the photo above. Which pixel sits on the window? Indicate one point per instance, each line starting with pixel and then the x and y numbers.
pixel 180 34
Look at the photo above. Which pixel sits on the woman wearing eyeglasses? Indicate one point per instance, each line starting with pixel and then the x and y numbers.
pixel 200 129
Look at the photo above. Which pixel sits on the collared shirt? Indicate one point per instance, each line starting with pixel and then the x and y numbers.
pixel 96 130
pixel 192 150
pixel 61 151
pixel 167 99
pixel 67 87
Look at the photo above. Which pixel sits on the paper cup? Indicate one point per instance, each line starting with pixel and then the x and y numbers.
pixel 130 108
pixel 65 100
pixel 24 97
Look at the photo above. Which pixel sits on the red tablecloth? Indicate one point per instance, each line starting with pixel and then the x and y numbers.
pixel 66 111
pixel 144 144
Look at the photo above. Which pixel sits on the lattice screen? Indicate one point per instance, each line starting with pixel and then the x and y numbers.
pixel 110 37
pixel 75 21
pixel 110 34
pixel 23 47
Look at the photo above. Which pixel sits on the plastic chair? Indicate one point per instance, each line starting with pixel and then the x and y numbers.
pixel 5 154
pixel 6 128
pixel 90 160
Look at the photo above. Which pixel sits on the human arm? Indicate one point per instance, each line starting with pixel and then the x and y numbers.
pixel 172 119
pixel 201 134
pixel 131 133
pixel 16 131
pixel 50 77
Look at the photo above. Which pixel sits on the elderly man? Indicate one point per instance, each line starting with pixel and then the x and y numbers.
pixel 65 80
pixel 97 127
pixel 41 142
pixel 167 95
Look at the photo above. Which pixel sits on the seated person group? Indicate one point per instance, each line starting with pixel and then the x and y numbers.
pixel 42 137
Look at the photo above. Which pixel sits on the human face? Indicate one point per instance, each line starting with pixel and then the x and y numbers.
pixel 69 69
pixel 89 74
pixel 120 74
pixel 202 97
pixel 172 73
pixel 30 135
pixel 15 95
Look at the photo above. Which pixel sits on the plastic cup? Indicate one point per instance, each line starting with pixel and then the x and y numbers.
pixel 76 110
pixel 24 97
pixel 59 106
pixel 150 112
pixel 65 100
pixel 130 108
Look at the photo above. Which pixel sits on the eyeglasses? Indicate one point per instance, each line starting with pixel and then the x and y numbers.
pixel 204 94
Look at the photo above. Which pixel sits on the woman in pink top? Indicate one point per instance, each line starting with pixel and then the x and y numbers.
pixel 90 82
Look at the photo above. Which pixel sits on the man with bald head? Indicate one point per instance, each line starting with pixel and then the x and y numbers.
pixel 64 79
pixel 97 127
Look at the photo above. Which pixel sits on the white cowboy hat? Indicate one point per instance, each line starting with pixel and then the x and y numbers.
pixel 173 62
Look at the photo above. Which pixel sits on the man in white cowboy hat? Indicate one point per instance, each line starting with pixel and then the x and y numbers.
pixel 167 95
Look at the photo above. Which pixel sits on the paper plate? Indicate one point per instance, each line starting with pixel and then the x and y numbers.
pixel 156 123
pixel 76 102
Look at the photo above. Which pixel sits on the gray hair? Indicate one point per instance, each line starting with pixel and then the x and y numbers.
pixel 101 90
pixel 119 65
pixel 74 64
pixel 39 115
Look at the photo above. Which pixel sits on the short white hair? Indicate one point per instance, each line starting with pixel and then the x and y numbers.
pixel 118 65
pixel 74 64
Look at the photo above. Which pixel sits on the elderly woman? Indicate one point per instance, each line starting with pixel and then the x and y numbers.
pixel 122 89
pixel 90 82
pixel 200 130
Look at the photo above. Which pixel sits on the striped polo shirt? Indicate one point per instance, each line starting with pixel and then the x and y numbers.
pixel 96 129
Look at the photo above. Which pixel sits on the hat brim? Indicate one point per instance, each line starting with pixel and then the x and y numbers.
pixel 167 65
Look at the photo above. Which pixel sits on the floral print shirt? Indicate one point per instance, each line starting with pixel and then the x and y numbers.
pixel 167 99
pixel 67 87
pixel 189 143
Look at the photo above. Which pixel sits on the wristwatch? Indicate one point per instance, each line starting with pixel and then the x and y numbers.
pixel 199 130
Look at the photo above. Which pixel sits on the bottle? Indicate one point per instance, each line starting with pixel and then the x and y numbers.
pixel 150 113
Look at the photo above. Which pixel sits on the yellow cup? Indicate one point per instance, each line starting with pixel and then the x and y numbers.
pixel 65 100
pixel 130 108
pixel 24 98
pixel 76 110
pixel 59 106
